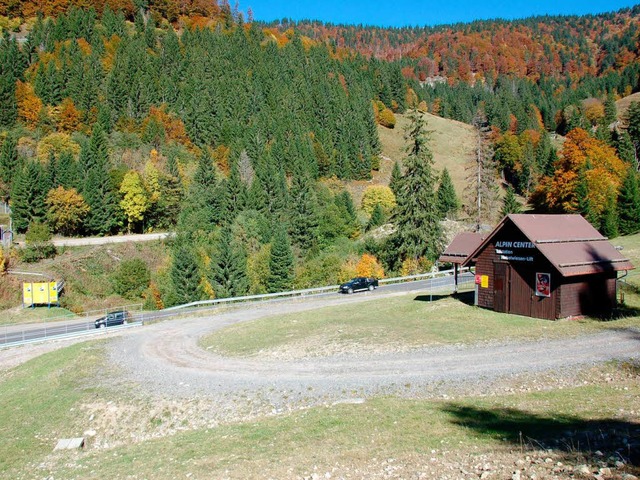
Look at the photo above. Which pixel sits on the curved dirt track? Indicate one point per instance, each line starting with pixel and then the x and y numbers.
pixel 165 358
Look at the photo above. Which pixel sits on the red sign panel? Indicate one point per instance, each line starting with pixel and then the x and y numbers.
pixel 543 284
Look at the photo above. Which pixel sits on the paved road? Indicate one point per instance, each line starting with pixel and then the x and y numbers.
pixel 50 331
pixel 31 332
pixel 76 242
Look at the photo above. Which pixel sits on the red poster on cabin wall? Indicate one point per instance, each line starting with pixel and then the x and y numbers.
pixel 543 284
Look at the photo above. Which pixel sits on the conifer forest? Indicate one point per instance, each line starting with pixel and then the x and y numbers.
pixel 243 138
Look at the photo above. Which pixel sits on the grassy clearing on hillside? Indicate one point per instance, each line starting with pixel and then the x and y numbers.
pixel 452 144
pixel 40 402
pixel 393 322
pixel 622 105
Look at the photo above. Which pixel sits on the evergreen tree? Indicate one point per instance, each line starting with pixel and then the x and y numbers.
pixel 377 217
pixel 28 196
pixel 8 158
pixel 396 174
pixel 228 270
pixel 304 217
pixel 545 155
pixel 257 197
pixel 347 210
pixel 418 231
pixel 51 170
pixel 234 195
pixel 113 23
pixel 609 220
pixel 103 217
pixel 610 111
pixel 624 147
pixel 629 204
pixel 202 210
pixel 11 68
pixel 184 275
pixel 510 204
pixel 67 171
pixel 447 200
pixel 172 165
pixel 281 263
pixel 633 125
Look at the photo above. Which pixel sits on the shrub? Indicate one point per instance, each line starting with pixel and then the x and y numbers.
pixel 131 279
pixel 368 266
pixel 378 195
pixel 38 241
pixel 412 266
pixel 386 118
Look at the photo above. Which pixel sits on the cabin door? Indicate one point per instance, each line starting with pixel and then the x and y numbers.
pixel 501 274
pixel 520 292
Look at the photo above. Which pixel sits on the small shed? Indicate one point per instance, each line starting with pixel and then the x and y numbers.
pixel 547 266
pixel 463 245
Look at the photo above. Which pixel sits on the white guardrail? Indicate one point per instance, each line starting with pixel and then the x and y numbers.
pixel 21 334
pixel 321 290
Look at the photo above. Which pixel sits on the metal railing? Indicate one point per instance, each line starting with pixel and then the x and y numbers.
pixel 62 326
pixel 315 291
pixel 69 326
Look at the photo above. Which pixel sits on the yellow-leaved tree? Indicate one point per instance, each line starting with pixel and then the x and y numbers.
pixel 3 262
pixel 152 177
pixel 378 195
pixel 56 143
pixel 66 210
pixel 413 266
pixel 135 201
pixel 368 266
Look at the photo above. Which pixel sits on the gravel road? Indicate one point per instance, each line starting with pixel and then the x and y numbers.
pixel 165 358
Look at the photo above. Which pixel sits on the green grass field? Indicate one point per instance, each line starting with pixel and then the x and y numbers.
pixel 405 321
pixel 37 402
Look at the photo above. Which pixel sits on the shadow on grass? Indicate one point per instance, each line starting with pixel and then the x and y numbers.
pixel 464 297
pixel 565 433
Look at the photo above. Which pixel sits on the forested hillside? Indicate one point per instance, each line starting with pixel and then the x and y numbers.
pixel 123 116
pixel 225 132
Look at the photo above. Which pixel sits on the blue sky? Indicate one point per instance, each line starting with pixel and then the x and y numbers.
pixel 398 13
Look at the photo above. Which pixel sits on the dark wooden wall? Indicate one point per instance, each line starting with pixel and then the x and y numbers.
pixel 588 294
pixel 512 284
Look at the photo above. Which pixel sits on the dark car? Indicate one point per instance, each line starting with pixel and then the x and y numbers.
pixel 120 317
pixel 358 283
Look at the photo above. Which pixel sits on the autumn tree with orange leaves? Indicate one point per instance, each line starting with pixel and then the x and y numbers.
pixel 585 163
pixel 29 104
